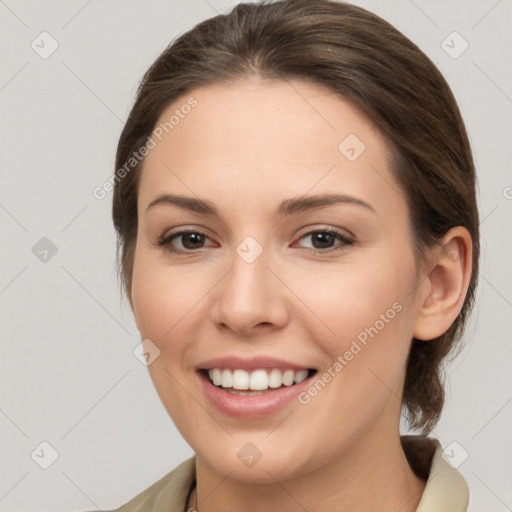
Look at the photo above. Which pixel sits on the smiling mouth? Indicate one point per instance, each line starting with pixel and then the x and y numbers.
pixel 255 382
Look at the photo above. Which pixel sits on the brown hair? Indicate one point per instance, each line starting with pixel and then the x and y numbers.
pixel 367 61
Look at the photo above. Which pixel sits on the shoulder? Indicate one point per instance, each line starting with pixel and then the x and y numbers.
pixel 169 493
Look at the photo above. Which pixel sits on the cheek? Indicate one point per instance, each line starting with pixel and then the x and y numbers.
pixel 161 297
pixel 161 304
pixel 344 300
pixel 369 311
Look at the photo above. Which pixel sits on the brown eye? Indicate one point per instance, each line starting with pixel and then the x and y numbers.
pixel 323 240
pixel 190 241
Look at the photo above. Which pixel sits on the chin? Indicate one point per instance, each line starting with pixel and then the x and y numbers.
pixel 267 470
pixel 257 459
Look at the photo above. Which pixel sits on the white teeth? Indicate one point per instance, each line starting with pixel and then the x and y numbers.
pixel 240 379
pixel 275 378
pixel 288 377
pixel 227 379
pixel 300 376
pixel 217 376
pixel 257 380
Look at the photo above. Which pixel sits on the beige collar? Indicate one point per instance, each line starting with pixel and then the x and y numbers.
pixel 446 489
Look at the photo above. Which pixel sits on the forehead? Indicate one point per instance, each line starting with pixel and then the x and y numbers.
pixel 271 138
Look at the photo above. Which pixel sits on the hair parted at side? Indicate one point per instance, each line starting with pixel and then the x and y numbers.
pixel 365 60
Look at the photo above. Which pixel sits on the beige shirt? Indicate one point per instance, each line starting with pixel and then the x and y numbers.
pixel 446 489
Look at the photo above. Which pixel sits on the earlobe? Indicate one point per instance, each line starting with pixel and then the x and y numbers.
pixel 445 285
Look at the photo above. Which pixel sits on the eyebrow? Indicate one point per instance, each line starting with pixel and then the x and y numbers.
pixel 286 208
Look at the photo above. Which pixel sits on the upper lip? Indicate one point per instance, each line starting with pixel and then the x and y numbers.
pixel 252 363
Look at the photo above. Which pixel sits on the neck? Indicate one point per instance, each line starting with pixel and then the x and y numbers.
pixel 374 475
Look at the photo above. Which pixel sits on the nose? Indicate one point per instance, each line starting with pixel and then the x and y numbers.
pixel 250 298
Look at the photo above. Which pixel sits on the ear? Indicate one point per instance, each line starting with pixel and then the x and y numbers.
pixel 443 290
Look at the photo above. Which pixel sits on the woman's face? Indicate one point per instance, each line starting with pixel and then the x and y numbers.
pixel 273 283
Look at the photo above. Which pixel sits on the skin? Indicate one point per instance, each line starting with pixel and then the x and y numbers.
pixel 245 147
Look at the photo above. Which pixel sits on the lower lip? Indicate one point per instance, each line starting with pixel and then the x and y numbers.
pixel 251 406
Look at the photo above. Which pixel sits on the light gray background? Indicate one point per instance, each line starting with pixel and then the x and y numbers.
pixel 67 369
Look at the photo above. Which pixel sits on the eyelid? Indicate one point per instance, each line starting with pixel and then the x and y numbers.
pixel 327 227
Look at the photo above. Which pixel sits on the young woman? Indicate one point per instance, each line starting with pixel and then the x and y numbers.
pixel 298 238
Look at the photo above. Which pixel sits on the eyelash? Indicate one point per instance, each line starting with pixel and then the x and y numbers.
pixel 165 241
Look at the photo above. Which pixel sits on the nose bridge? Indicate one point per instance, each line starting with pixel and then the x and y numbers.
pixel 250 294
